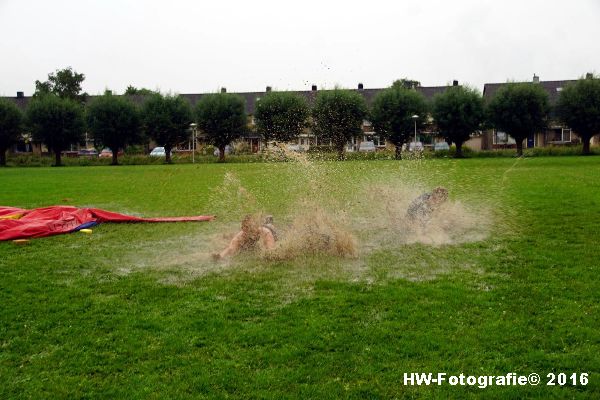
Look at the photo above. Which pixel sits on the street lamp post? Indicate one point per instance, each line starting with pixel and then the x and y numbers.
pixel 415 117
pixel 193 125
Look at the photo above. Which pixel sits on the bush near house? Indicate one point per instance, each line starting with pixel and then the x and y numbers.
pixel 338 116
pixel 11 125
pixel 114 122
pixel 392 114
pixel 166 119
pixel 521 110
pixel 57 122
pixel 579 107
pixel 281 116
pixel 222 118
pixel 458 112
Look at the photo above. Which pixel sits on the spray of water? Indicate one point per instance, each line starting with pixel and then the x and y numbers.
pixel 331 212
pixel 326 220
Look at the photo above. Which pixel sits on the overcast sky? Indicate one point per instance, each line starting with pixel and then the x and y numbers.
pixel 199 46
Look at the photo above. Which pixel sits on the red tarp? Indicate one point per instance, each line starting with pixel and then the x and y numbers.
pixel 16 223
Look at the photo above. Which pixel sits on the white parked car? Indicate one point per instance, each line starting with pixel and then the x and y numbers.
pixel 441 146
pixel 158 152
pixel 228 150
pixel 418 146
pixel 366 146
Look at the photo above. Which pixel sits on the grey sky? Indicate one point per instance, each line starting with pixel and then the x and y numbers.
pixel 199 46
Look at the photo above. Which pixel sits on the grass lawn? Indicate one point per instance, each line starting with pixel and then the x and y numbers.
pixel 140 310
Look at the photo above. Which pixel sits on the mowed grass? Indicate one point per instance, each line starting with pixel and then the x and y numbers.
pixel 132 311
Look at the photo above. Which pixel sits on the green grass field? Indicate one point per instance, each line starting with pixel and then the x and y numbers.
pixel 140 310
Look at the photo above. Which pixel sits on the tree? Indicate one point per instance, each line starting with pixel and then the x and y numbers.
pixel 222 118
pixel 521 110
pixel 458 112
pixel 64 83
pixel 166 119
pixel 391 115
pixel 281 116
pixel 579 108
pixel 132 90
pixel 11 120
pixel 55 121
pixel 114 121
pixel 406 83
pixel 338 115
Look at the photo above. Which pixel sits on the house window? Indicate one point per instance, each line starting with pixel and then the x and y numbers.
pixel 558 135
pixel 500 137
pixel 379 142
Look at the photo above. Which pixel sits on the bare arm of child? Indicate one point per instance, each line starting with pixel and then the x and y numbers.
pixel 234 246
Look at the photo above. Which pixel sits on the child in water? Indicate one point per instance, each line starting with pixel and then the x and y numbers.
pixel 421 209
pixel 250 237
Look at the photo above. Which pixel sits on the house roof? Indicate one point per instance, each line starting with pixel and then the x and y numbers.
pixel 251 97
pixel 310 95
pixel 551 87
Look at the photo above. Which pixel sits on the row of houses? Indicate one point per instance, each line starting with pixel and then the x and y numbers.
pixel 556 133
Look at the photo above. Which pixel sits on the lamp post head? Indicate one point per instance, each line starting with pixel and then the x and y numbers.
pixel 193 125
pixel 415 116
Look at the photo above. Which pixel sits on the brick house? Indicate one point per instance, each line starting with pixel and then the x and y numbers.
pixel 307 139
pixel 252 139
pixel 556 134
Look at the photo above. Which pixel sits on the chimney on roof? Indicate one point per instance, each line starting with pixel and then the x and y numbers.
pixel 455 83
pixel 268 89
pixel 314 88
pixel 20 95
pixel 589 75
pixel 360 86
pixel 223 90
pixel 536 79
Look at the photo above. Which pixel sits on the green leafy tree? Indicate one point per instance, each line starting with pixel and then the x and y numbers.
pixel 64 83
pixel 458 112
pixel 55 121
pixel 338 116
pixel 579 107
pixel 406 83
pixel 114 121
pixel 391 115
pixel 11 120
pixel 521 110
pixel 132 90
pixel 222 118
pixel 281 116
pixel 166 119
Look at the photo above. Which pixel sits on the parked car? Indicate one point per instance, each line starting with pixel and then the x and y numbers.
pixel 441 146
pixel 158 152
pixel 418 146
pixel 366 146
pixel 295 147
pixel 90 153
pixel 105 153
pixel 228 150
pixel 70 154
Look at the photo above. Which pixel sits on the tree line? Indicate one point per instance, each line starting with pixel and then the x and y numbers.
pixel 56 115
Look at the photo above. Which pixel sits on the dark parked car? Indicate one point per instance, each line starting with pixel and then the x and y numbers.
pixel 90 153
